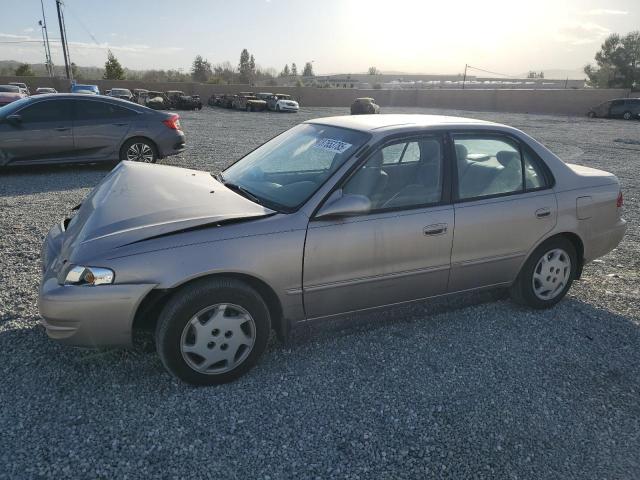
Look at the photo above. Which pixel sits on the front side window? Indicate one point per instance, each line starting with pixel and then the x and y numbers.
pixel 284 172
pixel 487 166
pixel 48 111
pixel 96 110
pixel 412 181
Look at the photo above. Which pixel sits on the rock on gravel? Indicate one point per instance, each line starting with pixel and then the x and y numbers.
pixel 460 388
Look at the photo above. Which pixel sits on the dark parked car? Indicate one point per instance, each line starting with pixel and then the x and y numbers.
pixel 226 101
pixel 249 102
pixel 154 100
pixel 180 101
pixel 627 108
pixel 121 93
pixel 73 128
pixel 363 106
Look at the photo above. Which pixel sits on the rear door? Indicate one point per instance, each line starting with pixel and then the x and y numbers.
pixel 617 108
pixel 43 134
pixel 504 205
pixel 100 128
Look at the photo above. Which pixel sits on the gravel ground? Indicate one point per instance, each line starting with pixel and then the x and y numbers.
pixel 463 388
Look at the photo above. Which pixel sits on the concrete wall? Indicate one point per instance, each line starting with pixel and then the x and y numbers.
pixel 561 102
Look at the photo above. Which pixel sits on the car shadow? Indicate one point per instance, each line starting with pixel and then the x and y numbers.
pixel 29 180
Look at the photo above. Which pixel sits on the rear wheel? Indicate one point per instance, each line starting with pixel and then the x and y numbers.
pixel 627 115
pixel 591 114
pixel 213 331
pixel 139 150
pixel 547 274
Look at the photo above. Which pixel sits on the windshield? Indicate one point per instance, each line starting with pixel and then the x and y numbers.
pixel 10 88
pixel 284 172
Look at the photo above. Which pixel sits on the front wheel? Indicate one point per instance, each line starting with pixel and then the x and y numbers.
pixel 547 274
pixel 627 116
pixel 139 150
pixel 213 331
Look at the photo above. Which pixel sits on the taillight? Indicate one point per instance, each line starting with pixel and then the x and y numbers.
pixel 620 200
pixel 173 122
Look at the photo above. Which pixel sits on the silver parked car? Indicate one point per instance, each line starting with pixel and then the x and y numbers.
pixel 332 216
pixel 76 128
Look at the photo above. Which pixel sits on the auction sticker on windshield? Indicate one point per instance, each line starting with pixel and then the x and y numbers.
pixel 336 146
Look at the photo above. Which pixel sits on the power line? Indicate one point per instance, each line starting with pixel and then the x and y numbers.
pixel 493 73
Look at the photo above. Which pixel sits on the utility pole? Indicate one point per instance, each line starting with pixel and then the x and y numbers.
pixel 45 39
pixel 63 39
pixel 464 79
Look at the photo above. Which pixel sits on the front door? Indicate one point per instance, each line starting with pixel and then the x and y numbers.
pixel 504 207
pixel 399 251
pixel 44 132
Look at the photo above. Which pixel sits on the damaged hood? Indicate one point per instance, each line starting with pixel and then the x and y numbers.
pixel 138 201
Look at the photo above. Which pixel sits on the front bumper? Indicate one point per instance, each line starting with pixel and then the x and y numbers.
pixel 85 316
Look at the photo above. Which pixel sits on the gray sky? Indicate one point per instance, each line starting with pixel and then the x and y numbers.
pixel 415 36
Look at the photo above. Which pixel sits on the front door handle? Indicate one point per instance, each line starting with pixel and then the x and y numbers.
pixel 62 129
pixel 121 124
pixel 435 229
pixel 543 212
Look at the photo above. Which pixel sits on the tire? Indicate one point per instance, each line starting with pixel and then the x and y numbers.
pixel 627 115
pixel 215 304
pixel 249 109
pixel 540 288
pixel 277 108
pixel 591 114
pixel 139 150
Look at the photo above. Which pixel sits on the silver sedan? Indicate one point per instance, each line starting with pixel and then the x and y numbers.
pixel 335 215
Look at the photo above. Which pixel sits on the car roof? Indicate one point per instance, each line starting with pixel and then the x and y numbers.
pixel 368 123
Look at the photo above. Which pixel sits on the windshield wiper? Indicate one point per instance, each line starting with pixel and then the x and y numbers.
pixel 243 191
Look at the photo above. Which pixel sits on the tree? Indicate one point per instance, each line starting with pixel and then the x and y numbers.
pixel 75 72
pixel 285 71
pixel 308 70
pixel 618 62
pixel 373 71
pixel 201 70
pixel 24 70
pixel 246 67
pixel 294 70
pixel 112 68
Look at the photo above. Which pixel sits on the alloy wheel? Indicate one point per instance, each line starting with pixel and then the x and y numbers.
pixel 551 274
pixel 140 152
pixel 218 338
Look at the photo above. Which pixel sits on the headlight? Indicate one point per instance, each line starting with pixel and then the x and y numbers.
pixel 91 276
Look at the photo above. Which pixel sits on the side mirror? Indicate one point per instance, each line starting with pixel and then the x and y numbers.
pixel 345 206
pixel 14 119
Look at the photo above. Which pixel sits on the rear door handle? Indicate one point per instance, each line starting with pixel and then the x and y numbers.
pixel 543 212
pixel 62 129
pixel 435 229
pixel 121 124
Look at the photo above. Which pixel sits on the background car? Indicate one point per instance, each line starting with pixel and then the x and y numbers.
pixel 85 89
pixel 627 108
pixel 10 93
pixel 23 87
pixel 72 128
pixel 281 102
pixel 154 100
pixel 43 90
pixel 432 206
pixel 364 105
pixel 121 93
pixel 181 101
pixel 249 102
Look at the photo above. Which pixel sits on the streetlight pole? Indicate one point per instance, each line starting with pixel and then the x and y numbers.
pixel 45 39
pixel 63 39
pixel 464 79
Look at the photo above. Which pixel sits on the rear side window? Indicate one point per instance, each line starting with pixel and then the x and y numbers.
pixel 48 111
pixel 96 110
pixel 491 165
